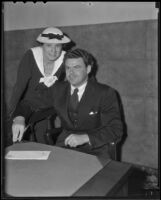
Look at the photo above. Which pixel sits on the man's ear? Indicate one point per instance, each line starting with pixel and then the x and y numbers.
pixel 89 69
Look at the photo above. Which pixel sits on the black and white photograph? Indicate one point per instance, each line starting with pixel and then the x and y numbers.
pixel 80 99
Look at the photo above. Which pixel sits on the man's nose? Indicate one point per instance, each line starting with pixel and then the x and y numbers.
pixel 71 71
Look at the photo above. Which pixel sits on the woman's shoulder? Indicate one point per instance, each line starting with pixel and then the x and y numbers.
pixel 36 49
pixel 28 54
pixel 27 59
pixel 61 84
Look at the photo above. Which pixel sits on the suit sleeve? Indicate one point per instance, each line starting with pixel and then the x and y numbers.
pixel 23 76
pixel 111 129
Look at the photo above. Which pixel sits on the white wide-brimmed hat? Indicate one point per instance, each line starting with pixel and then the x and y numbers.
pixel 53 35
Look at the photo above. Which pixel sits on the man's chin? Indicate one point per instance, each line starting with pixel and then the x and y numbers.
pixel 75 84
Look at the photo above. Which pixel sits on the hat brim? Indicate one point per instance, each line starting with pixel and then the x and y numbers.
pixel 41 39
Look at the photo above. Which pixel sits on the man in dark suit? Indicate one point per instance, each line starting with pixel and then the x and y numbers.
pixel 89 111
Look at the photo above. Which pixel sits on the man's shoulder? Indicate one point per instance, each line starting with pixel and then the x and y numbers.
pixel 102 86
pixel 104 91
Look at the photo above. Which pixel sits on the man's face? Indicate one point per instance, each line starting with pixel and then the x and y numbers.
pixel 76 71
pixel 52 51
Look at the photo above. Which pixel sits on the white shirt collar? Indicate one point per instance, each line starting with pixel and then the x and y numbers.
pixel 81 90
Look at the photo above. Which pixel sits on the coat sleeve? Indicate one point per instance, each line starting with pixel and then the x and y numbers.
pixel 26 108
pixel 23 76
pixel 111 129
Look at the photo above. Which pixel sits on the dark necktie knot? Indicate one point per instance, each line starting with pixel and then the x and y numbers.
pixel 75 91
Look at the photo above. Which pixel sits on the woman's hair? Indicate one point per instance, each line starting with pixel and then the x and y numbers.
pixel 80 53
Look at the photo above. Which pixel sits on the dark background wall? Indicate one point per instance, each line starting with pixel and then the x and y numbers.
pixel 126 55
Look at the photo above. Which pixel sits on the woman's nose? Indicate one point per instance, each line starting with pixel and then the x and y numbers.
pixel 53 49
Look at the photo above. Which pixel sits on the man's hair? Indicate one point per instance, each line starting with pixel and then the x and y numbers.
pixel 80 53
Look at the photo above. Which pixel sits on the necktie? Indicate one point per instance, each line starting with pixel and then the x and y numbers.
pixel 74 100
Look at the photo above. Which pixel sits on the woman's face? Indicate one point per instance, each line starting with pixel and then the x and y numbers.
pixel 52 51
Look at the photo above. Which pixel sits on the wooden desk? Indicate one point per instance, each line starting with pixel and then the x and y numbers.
pixel 65 173
pixel 111 181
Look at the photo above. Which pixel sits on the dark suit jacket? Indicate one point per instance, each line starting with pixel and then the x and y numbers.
pixel 98 115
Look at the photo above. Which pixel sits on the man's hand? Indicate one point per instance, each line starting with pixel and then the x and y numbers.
pixel 73 140
pixel 18 128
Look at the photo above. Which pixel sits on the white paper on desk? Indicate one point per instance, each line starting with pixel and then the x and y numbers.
pixel 27 155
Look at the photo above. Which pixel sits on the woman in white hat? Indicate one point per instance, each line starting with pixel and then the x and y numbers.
pixel 39 69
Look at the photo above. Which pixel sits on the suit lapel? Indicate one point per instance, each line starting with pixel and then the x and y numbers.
pixel 86 101
pixel 64 105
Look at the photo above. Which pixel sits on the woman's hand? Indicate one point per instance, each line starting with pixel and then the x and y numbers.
pixel 18 128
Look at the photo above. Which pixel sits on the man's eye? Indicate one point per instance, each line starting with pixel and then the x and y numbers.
pixel 77 67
